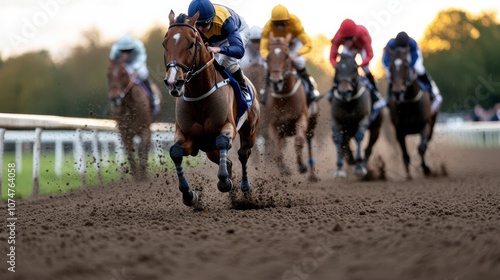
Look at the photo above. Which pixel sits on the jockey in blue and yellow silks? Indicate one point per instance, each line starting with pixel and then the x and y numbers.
pixel 226 32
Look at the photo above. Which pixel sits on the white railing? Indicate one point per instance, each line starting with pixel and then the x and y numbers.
pixel 101 134
pixel 469 134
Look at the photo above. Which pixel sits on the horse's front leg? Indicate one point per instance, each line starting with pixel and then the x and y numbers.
pixel 359 170
pixel 279 143
pixel 337 139
pixel 223 144
pixel 406 157
pixel 128 143
pixel 177 152
pixel 144 152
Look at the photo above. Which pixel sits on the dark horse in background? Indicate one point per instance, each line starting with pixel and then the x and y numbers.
pixel 410 107
pixel 351 110
pixel 287 112
pixel 206 112
pixel 130 106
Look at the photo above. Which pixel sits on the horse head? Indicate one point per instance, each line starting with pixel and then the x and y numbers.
pixel 400 73
pixel 119 82
pixel 184 52
pixel 278 61
pixel 346 77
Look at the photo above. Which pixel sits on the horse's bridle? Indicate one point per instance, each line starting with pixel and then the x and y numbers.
pixel 189 69
pixel 287 72
pixel 117 99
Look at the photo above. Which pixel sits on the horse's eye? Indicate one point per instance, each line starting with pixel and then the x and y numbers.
pixel 191 46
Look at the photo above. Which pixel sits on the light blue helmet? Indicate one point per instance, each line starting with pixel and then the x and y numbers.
pixel 255 32
pixel 205 7
pixel 125 42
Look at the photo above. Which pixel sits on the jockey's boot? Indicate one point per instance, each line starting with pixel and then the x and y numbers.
pixel 150 94
pixel 312 93
pixel 238 75
pixel 436 97
pixel 378 102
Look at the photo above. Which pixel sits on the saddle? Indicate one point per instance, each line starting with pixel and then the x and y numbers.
pixel 243 102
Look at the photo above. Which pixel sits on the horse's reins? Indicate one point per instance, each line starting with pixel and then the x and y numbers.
pixel 189 70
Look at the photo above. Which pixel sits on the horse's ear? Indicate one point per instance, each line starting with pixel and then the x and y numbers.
pixel 271 36
pixel 171 17
pixel 192 21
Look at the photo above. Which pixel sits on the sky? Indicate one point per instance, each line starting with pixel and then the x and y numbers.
pixel 57 25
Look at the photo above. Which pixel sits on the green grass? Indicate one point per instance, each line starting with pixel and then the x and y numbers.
pixel 70 178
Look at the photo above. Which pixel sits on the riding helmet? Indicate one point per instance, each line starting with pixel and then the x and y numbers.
pixel 205 7
pixel 280 13
pixel 255 32
pixel 402 39
pixel 125 42
pixel 347 28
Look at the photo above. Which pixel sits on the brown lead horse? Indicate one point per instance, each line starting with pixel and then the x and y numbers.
pixel 410 107
pixel 206 110
pixel 286 107
pixel 131 110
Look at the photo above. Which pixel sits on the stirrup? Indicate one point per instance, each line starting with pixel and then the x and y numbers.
pixel 379 105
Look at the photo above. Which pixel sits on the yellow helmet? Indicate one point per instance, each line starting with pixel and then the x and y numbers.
pixel 280 13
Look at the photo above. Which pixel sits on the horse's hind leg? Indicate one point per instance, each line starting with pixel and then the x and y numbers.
pixel 300 139
pixel 247 141
pixel 312 162
pixel 338 139
pixel 422 148
pixel 189 198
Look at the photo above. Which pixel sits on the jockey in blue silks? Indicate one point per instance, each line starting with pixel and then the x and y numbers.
pixel 227 34
pixel 416 60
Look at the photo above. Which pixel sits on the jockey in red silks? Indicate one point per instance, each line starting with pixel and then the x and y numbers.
pixel 356 39
pixel 416 60
pixel 281 24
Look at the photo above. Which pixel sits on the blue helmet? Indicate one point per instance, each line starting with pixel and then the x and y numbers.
pixel 125 42
pixel 205 7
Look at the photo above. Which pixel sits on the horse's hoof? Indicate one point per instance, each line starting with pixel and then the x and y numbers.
pixel 302 168
pixel 192 200
pixel 245 186
pixel 225 185
pixel 339 174
pixel 313 178
pixel 360 171
pixel 427 170
pixel 286 171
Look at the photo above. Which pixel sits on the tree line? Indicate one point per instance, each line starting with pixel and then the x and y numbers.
pixel 460 52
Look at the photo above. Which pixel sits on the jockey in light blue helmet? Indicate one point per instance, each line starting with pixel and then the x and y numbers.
pixel 226 32
pixel 133 53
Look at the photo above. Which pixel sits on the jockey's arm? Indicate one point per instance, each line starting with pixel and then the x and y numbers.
pixel 235 48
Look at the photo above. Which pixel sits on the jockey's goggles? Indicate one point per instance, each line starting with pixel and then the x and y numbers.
pixel 204 23
pixel 280 22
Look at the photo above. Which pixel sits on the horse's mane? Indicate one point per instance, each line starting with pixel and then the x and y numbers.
pixel 181 18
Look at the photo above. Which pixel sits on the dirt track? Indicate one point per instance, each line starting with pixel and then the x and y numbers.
pixel 443 227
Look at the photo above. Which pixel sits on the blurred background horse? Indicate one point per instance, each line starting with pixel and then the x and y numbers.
pixel 207 113
pixel 410 107
pixel 286 108
pixel 351 110
pixel 130 107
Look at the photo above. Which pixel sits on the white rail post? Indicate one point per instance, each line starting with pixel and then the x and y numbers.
pixel 37 146
pixel 97 159
pixel 59 154
pixel 2 136
pixel 19 157
pixel 79 154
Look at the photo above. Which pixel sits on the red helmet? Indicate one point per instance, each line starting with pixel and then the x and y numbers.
pixel 348 28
